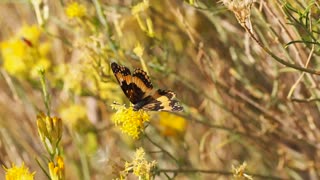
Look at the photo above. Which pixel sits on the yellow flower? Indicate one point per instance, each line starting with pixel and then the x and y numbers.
pixel 72 77
pixel 50 131
pixel 42 63
pixel 74 114
pixel 23 55
pixel 31 33
pixel 75 10
pixel 138 50
pixel 12 53
pixel 19 173
pixel 130 122
pixel 140 166
pixel 107 90
pixel 56 170
pixel 171 125
pixel 81 77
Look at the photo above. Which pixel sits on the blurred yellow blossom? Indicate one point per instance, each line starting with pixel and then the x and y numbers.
pixel 74 115
pixel 75 10
pixel 108 90
pixel 56 169
pixel 31 33
pixel 147 25
pixel 81 77
pixel 50 131
pixel 71 76
pixel 23 54
pixel 138 50
pixel 130 122
pixel 140 166
pixel 171 124
pixel 19 173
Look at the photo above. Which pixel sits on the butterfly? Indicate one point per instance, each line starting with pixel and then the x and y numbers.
pixel 138 88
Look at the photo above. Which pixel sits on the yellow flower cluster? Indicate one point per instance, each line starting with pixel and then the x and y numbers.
pixel 73 114
pixel 140 166
pixel 80 77
pixel 56 170
pixel 24 54
pixel 50 131
pixel 130 122
pixel 75 10
pixel 18 173
pixel 171 125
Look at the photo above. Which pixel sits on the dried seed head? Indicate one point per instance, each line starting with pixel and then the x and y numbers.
pixel 240 8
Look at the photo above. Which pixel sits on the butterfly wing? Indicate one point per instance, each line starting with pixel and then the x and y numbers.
pixel 136 86
pixel 162 100
pixel 124 78
pixel 142 83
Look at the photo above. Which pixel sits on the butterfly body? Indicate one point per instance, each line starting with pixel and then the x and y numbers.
pixel 139 90
pixel 142 103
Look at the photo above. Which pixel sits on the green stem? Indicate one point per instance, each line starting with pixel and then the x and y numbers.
pixel 103 21
pixel 311 71
pixel 83 158
pixel 45 93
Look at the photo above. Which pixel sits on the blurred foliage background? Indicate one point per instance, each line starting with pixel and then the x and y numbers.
pixel 245 72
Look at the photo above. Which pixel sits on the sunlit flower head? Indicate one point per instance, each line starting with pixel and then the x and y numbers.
pixel 75 10
pixel 171 124
pixel 31 33
pixel 138 50
pixel 56 169
pixel 50 131
pixel 130 122
pixel 23 54
pixel 19 173
pixel 140 166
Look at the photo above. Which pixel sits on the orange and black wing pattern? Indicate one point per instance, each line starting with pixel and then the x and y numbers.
pixel 163 100
pixel 139 90
pixel 127 83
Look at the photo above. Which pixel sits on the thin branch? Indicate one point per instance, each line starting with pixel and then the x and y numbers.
pixel 165 151
pixel 42 168
pixel 226 173
pixel 303 73
pixel 305 100
pixel 302 41
pixel 294 66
